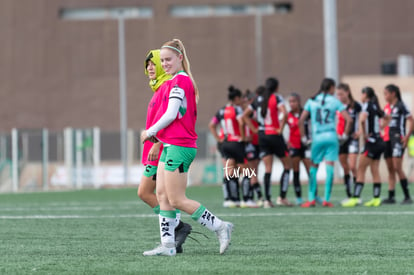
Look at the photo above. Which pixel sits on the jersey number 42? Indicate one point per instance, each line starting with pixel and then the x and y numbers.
pixel 322 116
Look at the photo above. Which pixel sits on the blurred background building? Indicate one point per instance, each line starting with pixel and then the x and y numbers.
pixel 56 73
pixel 59 64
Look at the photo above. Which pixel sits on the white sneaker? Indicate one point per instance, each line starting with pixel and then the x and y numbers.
pixel 243 204
pixel 268 204
pixel 251 204
pixel 283 202
pixel 224 235
pixel 162 250
pixel 230 204
pixel 227 204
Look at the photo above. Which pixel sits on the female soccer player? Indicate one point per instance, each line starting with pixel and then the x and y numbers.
pixel 349 150
pixel 374 146
pixel 388 159
pixel 322 109
pixel 175 128
pixel 397 139
pixel 252 150
pixel 230 119
pixel 271 142
pixel 297 150
pixel 219 137
pixel 152 151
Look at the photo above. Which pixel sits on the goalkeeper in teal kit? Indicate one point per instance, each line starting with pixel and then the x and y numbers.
pixel 322 109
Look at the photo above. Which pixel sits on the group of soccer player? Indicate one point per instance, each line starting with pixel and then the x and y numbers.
pixel 251 131
pixel 331 126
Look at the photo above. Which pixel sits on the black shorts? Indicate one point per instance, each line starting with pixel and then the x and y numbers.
pixel 272 145
pixel 351 146
pixel 374 150
pixel 294 152
pixel 395 148
pixel 387 150
pixel 219 148
pixel 233 150
pixel 252 151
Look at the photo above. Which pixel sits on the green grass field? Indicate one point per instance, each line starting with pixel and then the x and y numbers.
pixel 106 231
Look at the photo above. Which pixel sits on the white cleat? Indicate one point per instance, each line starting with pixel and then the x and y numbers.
pixel 229 204
pixel 224 235
pixel 251 204
pixel 268 204
pixel 162 250
pixel 283 202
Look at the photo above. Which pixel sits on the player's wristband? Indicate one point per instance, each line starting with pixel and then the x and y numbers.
pixel 151 132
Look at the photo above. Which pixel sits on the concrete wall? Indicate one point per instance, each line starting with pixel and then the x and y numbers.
pixel 57 73
pixel 378 83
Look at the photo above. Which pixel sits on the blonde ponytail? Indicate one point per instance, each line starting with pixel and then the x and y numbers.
pixel 178 46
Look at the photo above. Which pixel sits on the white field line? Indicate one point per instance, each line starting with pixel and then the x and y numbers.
pixel 66 208
pixel 236 215
pixel 72 204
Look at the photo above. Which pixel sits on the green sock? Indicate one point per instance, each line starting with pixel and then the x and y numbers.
pixel 168 213
pixel 312 182
pixel 206 218
pixel 156 209
pixel 329 181
pixel 167 225
pixel 197 214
